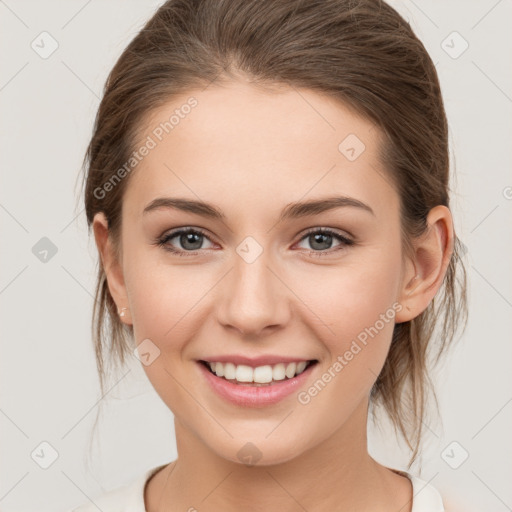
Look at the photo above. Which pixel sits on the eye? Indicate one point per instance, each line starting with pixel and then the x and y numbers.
pixel 322 238
pixel 190 240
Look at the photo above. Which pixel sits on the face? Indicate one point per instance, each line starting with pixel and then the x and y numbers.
pixel 264 278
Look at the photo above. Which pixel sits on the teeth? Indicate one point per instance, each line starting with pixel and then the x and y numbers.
pixel 229 370
pixel 244 373
pixel 279 372
pixel 263 374
pixel 301 366
pixel 260 374
pixel 290 370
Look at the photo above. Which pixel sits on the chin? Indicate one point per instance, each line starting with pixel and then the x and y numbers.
pixel 258 451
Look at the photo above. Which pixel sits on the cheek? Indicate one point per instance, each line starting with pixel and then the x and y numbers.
pixel 162 294
pixel 353 295
pixel 356 307
pixel 359 308
pixel 163 301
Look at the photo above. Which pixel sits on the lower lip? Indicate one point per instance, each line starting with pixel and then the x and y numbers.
pixel 255 396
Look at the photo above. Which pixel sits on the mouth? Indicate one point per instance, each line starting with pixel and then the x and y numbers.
pixel 259 376
pixel 239 383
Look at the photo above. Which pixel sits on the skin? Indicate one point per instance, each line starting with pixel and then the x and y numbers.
pixel 239 143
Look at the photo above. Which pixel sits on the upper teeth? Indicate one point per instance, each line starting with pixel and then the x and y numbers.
pixel 260 374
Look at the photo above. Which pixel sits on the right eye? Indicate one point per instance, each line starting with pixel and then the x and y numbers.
pixel 191 239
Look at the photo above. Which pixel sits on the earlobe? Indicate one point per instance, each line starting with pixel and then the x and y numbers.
pixel 428 265
pixel 111 266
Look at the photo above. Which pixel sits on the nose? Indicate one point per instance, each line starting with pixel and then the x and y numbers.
pixel 253 298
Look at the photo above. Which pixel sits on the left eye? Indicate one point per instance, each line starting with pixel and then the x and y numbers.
pixel 321 237
pixel 192 240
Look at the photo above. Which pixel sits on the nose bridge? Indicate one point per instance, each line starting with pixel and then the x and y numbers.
pixel 253 298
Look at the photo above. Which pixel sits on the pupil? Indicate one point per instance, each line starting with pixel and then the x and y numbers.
pixel 189 237
pixel 321 237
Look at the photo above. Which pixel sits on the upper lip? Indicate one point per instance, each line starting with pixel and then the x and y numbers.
pixel 254 361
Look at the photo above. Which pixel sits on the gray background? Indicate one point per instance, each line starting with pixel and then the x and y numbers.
pixel 49 388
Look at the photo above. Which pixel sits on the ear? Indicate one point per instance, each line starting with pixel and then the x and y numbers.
pixel 111 265
pixel 425 271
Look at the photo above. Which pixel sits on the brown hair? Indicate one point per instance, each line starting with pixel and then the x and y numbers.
pixel 360 52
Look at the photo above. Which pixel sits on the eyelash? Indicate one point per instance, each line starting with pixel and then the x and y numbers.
pixel 162 241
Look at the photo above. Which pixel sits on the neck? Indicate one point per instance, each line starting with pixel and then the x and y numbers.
pixel 336 474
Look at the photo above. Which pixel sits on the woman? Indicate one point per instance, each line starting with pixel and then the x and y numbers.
pixel 268 189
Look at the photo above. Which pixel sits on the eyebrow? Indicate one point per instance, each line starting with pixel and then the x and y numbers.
pixel 291 211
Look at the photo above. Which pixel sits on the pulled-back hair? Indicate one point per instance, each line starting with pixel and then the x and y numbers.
pixel 360 52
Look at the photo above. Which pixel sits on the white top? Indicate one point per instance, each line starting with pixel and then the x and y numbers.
pixel 130 498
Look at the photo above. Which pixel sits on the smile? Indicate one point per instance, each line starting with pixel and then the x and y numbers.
pixel 259 386
pixel 261 375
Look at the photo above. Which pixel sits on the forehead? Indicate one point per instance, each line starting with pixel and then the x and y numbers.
pixel 243 147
